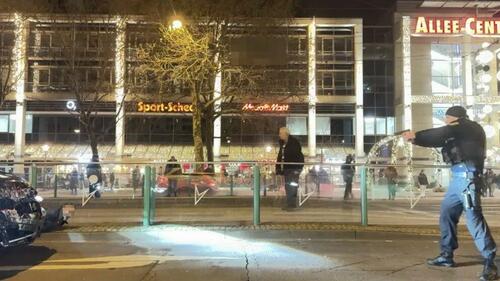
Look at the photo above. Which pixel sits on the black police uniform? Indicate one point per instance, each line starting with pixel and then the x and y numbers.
pixel 463 145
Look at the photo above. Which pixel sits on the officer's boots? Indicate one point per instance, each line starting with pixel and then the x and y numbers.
pixel 490 270
pixel 444 259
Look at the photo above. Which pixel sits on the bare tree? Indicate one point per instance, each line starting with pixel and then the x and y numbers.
pixel 8 75
pixel 188 60
pixel 83 52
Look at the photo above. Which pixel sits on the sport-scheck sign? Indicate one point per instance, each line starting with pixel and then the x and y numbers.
pixel 164 107
pixel 450 26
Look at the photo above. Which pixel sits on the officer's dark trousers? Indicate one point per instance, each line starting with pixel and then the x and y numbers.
pixel 291 187
pixel 451 210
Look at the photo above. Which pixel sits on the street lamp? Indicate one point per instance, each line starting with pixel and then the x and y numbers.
pixel 176 24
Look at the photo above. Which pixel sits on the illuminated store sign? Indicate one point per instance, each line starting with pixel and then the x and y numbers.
pixel 265 107
pixel 473 26
pixel 175 107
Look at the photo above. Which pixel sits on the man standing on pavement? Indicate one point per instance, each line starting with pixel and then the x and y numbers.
pixel 463 145
pixel 290 152
pixel 348 170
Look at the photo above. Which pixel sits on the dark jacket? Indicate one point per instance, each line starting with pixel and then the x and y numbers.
pixel 290 152
pixel 464 135
pixel 173 168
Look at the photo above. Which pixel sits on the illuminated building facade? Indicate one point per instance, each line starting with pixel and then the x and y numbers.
pixel 323 55
pixel 448 53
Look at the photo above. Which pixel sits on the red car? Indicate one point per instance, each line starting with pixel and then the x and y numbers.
pixel 186 183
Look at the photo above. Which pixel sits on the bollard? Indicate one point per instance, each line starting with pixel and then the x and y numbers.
pixel 146 218
pixel 256 195
pixel 33 176
pixel 231 182
pixel 55 185
pixel 364 197
pixel 152 194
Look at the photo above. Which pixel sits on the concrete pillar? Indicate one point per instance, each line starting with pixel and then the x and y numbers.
pixel 217 105
pixel 358 80
pixel 467 72
pixel 120 86
pixel 311 71
pixel 406 58
pixel 19 70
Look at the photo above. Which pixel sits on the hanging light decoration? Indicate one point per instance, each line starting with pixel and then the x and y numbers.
pixel 485 78
pixel 489 131
pixel 487 109
pixel 484 57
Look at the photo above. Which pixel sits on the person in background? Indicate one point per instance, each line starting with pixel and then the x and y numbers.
pixel 348 170
pixel 172 170
pixel 73 182
pixel 136 179
pixel 391 174
pixel 112 180
pixel 422 179
pixel 490 182
pixel 291 152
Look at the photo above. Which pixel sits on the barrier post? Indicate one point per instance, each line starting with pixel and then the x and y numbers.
pixel 364 197
pixel 256 195
pixel 146 217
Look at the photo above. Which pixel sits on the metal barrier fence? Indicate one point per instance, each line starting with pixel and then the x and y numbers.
pixel 323 182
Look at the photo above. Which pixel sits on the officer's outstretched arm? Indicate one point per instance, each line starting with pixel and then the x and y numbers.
pixel 433 137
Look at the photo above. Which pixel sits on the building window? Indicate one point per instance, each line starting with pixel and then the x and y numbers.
pixel 297 125
pixel 446 70
pixel 323 126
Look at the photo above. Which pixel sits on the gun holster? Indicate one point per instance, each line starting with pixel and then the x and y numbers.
pixel 472 196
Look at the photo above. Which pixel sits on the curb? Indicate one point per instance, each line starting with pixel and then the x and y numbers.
pixel 407 230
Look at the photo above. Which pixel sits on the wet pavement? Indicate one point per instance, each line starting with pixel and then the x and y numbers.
pixel 208 254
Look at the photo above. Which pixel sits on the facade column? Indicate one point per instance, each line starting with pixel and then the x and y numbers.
pixel 120 86
pixel 19 70
pixel 217 108
pixel 311 114
pixel 358 80
pixel 467 72
pixel 406 58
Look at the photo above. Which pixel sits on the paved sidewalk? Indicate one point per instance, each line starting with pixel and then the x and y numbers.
pixel 208 254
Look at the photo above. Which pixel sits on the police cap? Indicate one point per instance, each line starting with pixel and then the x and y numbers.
pixel 457 111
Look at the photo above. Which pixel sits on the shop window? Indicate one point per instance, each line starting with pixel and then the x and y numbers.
pixel 446 70
pixel 323 126
pixel 297 125
pixel 380 126
pixel 4 123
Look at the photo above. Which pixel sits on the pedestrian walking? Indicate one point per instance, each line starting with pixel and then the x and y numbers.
pixel 391 176
pixel 136 180
pixel 172 171
pixel 348 170
pixel 290 152
pixel 490 182
pixel 423 182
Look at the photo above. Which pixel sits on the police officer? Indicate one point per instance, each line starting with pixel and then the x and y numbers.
pixel 463 145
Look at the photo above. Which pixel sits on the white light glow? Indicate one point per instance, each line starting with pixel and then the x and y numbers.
pixel 45 147
pixel 489 152
pixel 489 131
pixel 71 105
pixel 484 57
pixel 269 149
pixel 485 45
pixel 485 78
pixel 176 24
pixel 470 113
pixel 487 109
